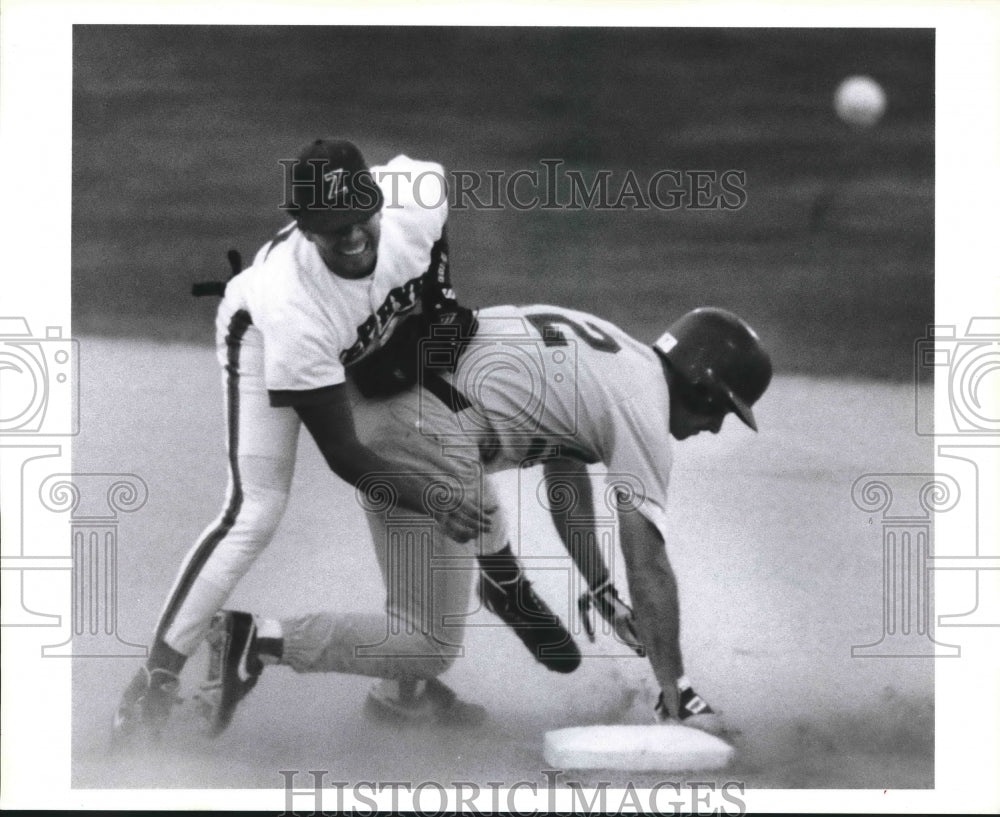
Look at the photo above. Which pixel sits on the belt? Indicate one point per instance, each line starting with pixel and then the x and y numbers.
pixel 488 439
pixel 445 392
pixel 441 388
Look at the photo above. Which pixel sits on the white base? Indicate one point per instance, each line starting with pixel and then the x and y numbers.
pixel 660 747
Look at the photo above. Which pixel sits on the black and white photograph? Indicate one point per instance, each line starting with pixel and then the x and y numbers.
pixel 469 413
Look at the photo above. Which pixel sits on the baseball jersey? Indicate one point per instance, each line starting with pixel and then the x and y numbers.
pixel 315 323
pixel 552 380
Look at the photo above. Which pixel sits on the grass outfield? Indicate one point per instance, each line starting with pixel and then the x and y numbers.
pixel 177 131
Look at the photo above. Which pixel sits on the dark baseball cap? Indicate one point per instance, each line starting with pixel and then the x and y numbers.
pixel 329 186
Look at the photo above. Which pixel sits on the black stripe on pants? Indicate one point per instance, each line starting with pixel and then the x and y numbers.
pixel 238 326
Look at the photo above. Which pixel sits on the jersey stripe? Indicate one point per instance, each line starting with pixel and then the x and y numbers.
pixel 281 236
pixel 238 326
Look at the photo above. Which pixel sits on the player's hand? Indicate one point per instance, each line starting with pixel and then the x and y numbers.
pixel 458 512
pixel 612 609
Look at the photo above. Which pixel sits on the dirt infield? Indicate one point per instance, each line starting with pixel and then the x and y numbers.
pixel 780 574
pixel 177 131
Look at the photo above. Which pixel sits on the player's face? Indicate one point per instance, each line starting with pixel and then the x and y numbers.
pixel 349 251
pixel 685 422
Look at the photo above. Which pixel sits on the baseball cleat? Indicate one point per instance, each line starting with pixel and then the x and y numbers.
pixel 541 631
pixel 233 668
pixel 145 706
pixel 401 704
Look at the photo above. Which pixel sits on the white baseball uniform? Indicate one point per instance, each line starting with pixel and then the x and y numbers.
pixel 286 329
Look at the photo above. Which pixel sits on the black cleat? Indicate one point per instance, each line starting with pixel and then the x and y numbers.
pixel 233 668
pixel 145 706
pixel 541 631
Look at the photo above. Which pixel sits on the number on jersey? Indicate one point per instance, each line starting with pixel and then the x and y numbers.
pixel 551 325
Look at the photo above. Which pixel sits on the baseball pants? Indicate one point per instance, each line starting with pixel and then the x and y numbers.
pixel 428 576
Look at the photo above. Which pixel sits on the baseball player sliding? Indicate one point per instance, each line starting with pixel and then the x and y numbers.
pixel 587 392
pixel 352 283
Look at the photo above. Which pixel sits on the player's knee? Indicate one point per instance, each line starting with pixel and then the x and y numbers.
pixel 422 655
pixel 428 658
pixel 259 513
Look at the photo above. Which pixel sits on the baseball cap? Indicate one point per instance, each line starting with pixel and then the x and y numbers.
pixel 329 186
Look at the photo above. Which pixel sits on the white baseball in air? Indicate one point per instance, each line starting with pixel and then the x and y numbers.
pixel 860 101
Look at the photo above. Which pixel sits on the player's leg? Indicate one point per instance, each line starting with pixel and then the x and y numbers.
pixel 416 638
pixel 428 579
pixel 506 591
pixel 419 431
pixel 418 633
pixel 261 444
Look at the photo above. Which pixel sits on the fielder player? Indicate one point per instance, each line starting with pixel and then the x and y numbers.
pixel 587 393
pixel 352 283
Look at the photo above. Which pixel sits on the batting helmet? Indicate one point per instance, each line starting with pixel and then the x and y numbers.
pixel 717 357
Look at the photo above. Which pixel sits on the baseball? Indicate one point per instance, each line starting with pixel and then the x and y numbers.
pixel 860 101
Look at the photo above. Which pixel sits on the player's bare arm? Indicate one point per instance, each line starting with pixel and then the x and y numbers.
pixel 653 589
pixel 566 474
pixel 331 425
